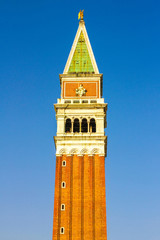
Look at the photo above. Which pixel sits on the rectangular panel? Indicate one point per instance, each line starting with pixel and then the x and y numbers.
pixel 69 89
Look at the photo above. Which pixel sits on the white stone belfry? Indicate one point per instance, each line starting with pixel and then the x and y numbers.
pixel 81 111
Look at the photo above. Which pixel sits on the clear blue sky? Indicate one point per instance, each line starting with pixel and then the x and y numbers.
pixel 35 40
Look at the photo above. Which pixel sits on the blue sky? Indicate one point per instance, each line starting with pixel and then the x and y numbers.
pixel 35 40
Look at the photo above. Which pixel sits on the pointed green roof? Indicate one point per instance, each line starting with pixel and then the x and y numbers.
pixel 81 61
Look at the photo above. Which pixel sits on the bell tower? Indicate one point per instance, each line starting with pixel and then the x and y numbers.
pixel 80 201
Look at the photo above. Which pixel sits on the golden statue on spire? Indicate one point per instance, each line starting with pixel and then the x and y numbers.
pixel 80 14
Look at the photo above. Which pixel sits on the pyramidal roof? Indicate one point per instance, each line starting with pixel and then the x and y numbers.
pixel 81 57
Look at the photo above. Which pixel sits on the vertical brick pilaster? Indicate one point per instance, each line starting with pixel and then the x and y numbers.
pixel 93 196
pixel 65 198
pixel 100 206
pixel 57 197
pixel 88 230
pixel 82 198
pixel 71 197
pixel 103 200
pixel 76 199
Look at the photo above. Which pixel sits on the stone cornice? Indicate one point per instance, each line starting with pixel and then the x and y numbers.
pixel 80 75
pixel 81 106
pixel 81 138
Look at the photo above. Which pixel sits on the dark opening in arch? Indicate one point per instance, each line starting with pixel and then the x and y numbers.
pixel 76 125
pixel 92 125
pixel 84 125
pixel 68 125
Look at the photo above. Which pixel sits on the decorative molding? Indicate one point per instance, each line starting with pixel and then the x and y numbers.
pixel 80 91
pixel 84 151
pixel 62 151
pixel 90 151
pixel 73 151
pixel 95 151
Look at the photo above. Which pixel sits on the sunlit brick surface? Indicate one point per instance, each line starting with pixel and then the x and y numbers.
pixel 84 217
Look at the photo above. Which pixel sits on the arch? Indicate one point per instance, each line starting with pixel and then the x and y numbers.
pixel 73 151
pixel 62 151
pixel 84 151
pixel 92 125
pixel 76 125
pixel 68 125
pixel 84 125
pixel 95 151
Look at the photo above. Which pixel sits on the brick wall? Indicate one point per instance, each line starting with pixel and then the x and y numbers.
pixel 84 217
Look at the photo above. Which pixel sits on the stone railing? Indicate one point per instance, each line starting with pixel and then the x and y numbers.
pixel 81 101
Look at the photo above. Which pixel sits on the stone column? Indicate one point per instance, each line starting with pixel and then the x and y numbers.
pixel 72 122
pixel 88 121
pixel 80 125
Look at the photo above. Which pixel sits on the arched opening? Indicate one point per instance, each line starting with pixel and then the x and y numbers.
pixel 76 125
pixel 92 125
pixel 62 230
pixel 63 185
pixel 68 125
pixel 84 126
